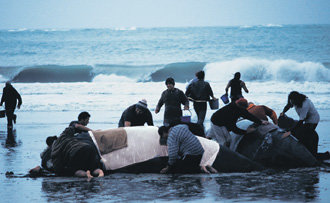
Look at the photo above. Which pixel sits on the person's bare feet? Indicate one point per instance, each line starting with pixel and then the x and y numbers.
pixel 35 170
pixel 211 169
pixel 98 173
pixel 204 170
pixel 89 175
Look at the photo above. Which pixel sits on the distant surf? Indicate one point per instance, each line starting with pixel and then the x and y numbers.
pixel 252 69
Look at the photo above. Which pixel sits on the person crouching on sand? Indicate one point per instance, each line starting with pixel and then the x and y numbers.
pixel 74 155
pixel 184 150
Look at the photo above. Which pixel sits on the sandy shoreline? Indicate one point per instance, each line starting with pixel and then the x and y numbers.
pixel 33 127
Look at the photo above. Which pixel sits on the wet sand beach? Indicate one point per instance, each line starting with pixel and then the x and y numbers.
pixel 20 154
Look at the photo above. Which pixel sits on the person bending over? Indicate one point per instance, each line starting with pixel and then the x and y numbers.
pixel 81 125
pixel 224 120
pixel 136 115
pixel 184 149
pixel 262 111
pixel 308 120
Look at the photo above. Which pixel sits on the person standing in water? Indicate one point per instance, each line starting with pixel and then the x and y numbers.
pixel 236 86
pixel 308 120
pixel 10 97
pixel 200 92
pixel 172 98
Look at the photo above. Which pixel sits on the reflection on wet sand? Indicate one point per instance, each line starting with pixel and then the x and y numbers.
pixel 11 138
pixel 292 185
pixel 125 187
pixel 295 184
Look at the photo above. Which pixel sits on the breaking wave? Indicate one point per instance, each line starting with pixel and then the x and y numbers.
pixel 251 69
pixel 268 70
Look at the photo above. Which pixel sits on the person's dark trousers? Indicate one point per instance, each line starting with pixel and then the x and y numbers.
pixel 307 135
pixel 188 164
pixel 200 109
pixel 311 125
pixel 10 116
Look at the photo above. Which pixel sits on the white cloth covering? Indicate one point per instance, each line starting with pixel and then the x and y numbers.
pixel 143 145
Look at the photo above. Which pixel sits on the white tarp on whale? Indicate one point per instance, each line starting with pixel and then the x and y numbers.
pixel 143 145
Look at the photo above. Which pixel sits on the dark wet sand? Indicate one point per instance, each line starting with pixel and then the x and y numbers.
pixel 22 153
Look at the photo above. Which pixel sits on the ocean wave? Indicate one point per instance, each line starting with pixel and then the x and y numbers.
pixel 55 73
pixel 267 70
pixel 181 72
pixel 251 69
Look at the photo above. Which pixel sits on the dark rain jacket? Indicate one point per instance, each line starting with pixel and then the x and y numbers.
pixel 172 100
pixel 228 115
pixel 10 97
pixel 199 90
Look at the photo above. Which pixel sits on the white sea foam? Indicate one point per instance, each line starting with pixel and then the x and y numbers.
pixel 253 69
pixel 112 78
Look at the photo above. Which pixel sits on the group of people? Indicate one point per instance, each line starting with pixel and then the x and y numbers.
pixel 184 149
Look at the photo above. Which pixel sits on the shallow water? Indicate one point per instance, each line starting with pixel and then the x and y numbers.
pixel 22 153
pixel 293 185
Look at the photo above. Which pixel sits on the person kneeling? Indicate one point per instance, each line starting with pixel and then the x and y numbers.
pixel 184 149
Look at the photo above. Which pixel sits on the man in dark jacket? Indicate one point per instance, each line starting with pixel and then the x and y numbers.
pixel 10 97
pixel 200 92
pixel 224 120
pixel 236 86
pixel 136 115
pixel 172 98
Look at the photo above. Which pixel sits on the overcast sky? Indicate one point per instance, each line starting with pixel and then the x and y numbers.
pixel 159 13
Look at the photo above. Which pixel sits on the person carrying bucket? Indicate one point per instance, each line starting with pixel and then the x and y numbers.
pixel 10 96
pixel 200 91
pixel 236 86
pixel 172 98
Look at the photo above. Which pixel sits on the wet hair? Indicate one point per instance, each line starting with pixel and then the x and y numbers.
pixel 237 75
pixel 242 102
pixel 50 140
pixel 83 115
pixel 296 98
pixel 170 81
pixel 163 129
pixel 8 83
pixel 200 75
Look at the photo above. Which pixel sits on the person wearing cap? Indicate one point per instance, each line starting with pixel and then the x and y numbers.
pixel 136 115
pixel 262 111
pixel 236 86
pixel 224 120
pixel 172 98
pixel 10 97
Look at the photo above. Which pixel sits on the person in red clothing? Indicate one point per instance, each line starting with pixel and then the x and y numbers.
pixel 262 111
pixel 224 120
